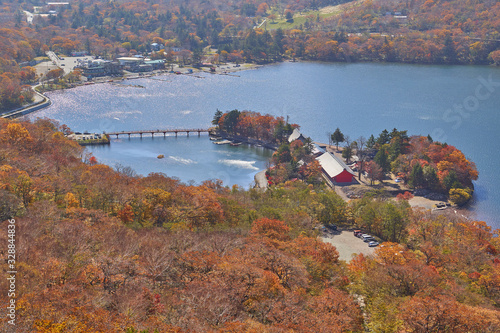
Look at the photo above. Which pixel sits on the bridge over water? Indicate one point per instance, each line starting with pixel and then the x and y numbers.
pixel 159 131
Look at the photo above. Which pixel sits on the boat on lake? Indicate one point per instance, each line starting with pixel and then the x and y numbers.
pixel 223 142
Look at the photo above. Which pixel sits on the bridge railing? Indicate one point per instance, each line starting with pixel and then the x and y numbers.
pixel 175 130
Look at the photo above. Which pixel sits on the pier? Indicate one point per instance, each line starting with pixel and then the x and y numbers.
pixel 159 131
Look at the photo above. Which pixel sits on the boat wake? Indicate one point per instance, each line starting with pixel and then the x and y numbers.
pixel 240 164
pixel 182 160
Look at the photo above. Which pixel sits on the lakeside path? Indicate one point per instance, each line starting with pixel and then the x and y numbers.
pixel 261 180
pixel 40 101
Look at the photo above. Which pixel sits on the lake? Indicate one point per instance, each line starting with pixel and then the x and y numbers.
pixel 454 104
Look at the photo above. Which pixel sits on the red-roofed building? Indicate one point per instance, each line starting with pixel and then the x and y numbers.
pixel 335 170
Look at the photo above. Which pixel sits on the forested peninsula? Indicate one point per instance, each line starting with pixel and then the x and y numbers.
pixel 104 250
pixel 417 161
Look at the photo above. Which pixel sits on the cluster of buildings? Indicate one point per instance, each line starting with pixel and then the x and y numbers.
pixel 136 64
pixel 87 138
pixel 140 64
pixel 100 67
pixel 49 8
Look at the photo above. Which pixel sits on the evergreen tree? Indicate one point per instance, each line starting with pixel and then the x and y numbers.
pixel 382 160
pixel 430 177
pixel 278 42
pixel 231 120
pixel 395 148
pixel 371 142
pixel 196 57
pixel 383 138
pixel 347 153
pixel 337 137
pixel 416 178
pixel 217 116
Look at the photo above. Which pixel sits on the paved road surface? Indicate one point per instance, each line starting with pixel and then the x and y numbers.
pixel 348 245
pixel 261 180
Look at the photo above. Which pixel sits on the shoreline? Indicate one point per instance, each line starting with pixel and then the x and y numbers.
pixel 229 69
pixel 30 108
pixel 466 209
pixel 46 101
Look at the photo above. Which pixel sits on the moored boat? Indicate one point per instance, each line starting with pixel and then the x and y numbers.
pixel 223 142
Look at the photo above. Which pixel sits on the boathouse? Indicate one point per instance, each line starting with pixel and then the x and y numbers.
pixel 335 170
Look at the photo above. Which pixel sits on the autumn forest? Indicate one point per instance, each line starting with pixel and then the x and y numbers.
pixel 101 249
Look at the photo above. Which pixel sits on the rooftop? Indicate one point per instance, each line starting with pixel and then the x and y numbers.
pixel 294 136
pixel 160 61
pixel 333 165
pixel 129 59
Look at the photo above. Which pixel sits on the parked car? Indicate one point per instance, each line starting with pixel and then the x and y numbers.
pixel 332 227
pixel 373 243
pixel 357 233
pixel 367 238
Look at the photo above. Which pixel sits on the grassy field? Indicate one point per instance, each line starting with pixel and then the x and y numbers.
pixel 283 24
pixel 301 18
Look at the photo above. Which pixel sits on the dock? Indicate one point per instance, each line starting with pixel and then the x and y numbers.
pixel 89 139
pixel 159 131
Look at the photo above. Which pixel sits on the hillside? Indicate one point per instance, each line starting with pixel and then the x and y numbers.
pixel 103 250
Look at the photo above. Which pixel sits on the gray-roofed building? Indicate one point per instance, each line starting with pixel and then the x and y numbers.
pixel 334 169
pixel 317 150
pixel 296 135
pixel 156 64
pixel 130 61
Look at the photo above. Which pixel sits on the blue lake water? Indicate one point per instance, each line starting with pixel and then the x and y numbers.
pixel 454 104
pixel 192 159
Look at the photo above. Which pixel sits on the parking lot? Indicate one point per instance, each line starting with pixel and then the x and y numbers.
pixel 66 63
pixel 347 244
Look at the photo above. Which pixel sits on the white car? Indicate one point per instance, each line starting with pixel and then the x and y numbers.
pixel 367 238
